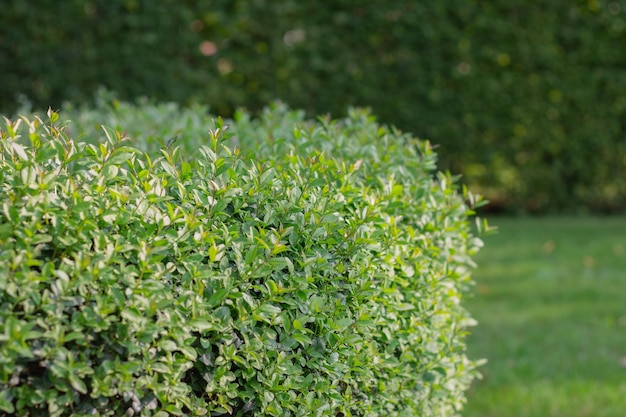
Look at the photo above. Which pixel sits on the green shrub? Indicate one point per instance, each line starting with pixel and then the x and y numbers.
pixel 297 268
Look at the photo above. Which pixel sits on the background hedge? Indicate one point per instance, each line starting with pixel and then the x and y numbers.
pixel 524 98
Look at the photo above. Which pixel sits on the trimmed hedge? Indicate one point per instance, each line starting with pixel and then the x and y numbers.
pixel 296 268
pixel 524 99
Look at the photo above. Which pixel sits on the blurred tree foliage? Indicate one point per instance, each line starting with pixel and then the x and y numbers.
pixel 525 98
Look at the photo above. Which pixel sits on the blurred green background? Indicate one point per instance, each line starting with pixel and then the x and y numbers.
pixel 525 99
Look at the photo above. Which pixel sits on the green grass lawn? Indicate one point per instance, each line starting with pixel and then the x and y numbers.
pixel 551 304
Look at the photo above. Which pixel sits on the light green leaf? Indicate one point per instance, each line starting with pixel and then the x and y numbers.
pixel 19 150
pixel 6 404
pixel 77 383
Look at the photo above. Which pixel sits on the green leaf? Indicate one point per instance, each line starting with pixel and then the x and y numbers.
pixel 112 135
pixel 167 345
pixel 279 248
pixel 19 150
pixel 303 339
pixel 77 383
pixel 202 325
pixel 343 323
pixel 185 171
pixel 189 352
pixel 6 230
pixel 111 171
pixel 270 309
pixel 169 169
pixel 119 158
pixel 6 404
pixel 217 297
pixel 172 409
pixel 131 315
pixel 52 115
